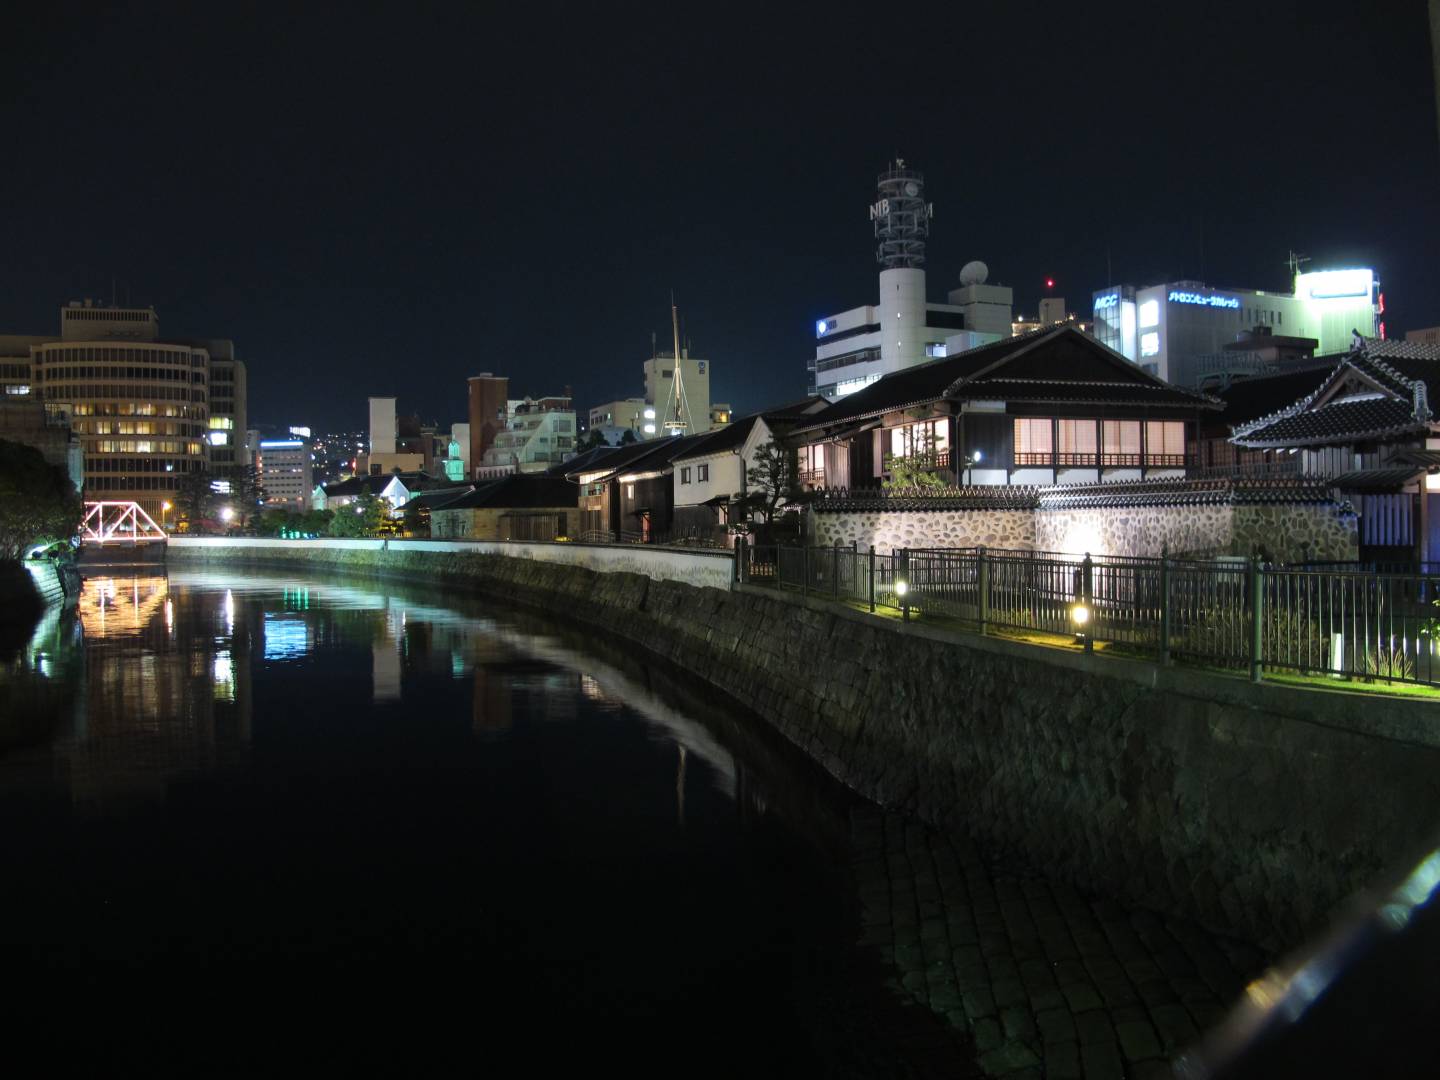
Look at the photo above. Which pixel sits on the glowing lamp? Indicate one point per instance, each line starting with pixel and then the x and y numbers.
pixel 1080 614
pixel 1049 283
pixel 820 327
pixel 901 588
pixel 227 514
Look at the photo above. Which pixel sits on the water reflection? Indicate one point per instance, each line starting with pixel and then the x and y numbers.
pixel 158 673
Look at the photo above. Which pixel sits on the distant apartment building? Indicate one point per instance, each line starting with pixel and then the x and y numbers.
pixel 146 409
pixel 286 473
pixel 662 410
pixel 538 434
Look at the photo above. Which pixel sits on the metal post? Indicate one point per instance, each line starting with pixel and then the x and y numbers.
pixel 835 572
pixel 1087 588
pixel 1165 610
pixel 872 579
pixel 982 578
pixel 1257 617
pixel 905 577
pixel 804 570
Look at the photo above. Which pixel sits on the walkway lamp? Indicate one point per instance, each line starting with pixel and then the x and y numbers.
pixel 970 462
pixel 164 509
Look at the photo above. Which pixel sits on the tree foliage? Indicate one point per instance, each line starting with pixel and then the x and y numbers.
pixel 195 501
pixel 249 494
pixel 366 516
pixel 38 503
pixel 591 440
pixel 917 471
pixel 770 478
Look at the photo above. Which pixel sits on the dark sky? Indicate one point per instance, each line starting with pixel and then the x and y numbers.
pixel 386 200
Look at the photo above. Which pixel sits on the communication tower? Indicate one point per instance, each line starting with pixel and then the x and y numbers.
pixel 901 216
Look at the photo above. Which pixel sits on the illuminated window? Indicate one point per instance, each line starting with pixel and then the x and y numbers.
pixel 1164 442
pixel 1149 314
pixel 1120 442
pixel 1077 439
pixel 1034 441
pixel 1150 344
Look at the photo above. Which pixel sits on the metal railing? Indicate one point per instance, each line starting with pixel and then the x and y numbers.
pixel 1342 621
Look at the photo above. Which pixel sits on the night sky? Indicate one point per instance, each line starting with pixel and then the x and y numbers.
pixel 386 200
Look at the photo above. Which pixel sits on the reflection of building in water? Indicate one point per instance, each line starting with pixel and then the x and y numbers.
pixel 491 705
pixel 179 708
pixel 385 667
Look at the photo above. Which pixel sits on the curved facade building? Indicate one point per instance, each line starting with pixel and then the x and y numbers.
pixel 140 405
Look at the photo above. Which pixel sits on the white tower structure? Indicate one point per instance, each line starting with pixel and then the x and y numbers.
pixel 902 224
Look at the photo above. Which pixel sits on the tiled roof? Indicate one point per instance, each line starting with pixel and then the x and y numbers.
pixel 1075 496
pixel 1260 395
pixel 730 437
pixel 1090 392
pixel 517 492
pixel 1387 478
pixel 357 485
pixel 1052 364
pixel 621 457
pixel 1393 388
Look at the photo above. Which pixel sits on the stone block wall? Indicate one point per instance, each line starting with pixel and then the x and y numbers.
pixel 891 529
pixel 1251 809
pixel 1288 532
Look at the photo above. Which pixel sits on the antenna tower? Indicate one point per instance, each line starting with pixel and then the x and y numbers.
pixel 677 407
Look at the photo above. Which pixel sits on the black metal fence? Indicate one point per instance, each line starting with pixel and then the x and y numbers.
pixel 1339 621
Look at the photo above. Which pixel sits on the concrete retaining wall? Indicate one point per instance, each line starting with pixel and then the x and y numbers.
pixel 1254 810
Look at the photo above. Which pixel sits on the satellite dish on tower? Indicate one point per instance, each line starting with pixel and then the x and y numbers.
pixel 912 189
pixel 974 273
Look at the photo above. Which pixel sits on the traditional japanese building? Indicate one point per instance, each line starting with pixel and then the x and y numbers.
pixel 1050 407
pixel 1368 429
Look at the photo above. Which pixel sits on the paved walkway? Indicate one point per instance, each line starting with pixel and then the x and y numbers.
pixel 1046 982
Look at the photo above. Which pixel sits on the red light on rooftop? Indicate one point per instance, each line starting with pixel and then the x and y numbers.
pixel 1049 283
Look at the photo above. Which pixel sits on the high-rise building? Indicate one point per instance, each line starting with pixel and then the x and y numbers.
pixel 488 412
pixel 1179 330
pixel 855 348
pixel 286 474
pixel 141 404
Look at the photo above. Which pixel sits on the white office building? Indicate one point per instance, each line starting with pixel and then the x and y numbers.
pixel 856 347
pixel 286 473
pixel 537 435
pixel 1172 330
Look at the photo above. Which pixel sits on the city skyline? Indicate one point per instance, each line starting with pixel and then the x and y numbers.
pixel 391 228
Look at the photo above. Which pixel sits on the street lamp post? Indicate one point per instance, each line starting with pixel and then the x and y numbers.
pixel 972 460
pixel 164 509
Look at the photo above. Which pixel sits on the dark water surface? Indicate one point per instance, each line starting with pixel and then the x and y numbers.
pixel 263 823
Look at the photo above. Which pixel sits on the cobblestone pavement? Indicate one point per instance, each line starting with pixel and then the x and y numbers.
pixel 1045 981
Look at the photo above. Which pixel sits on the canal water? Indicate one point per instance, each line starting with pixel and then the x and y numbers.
pixel 266 822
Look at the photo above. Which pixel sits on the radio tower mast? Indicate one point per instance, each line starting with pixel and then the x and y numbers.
pixel 677 406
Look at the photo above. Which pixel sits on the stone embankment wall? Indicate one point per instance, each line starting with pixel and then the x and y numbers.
pixel 1254 810
pixel 892 529
pixel 1288 532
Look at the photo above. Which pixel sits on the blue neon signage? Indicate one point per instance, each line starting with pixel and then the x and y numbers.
pixel 1107 301
pixel 1178 297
